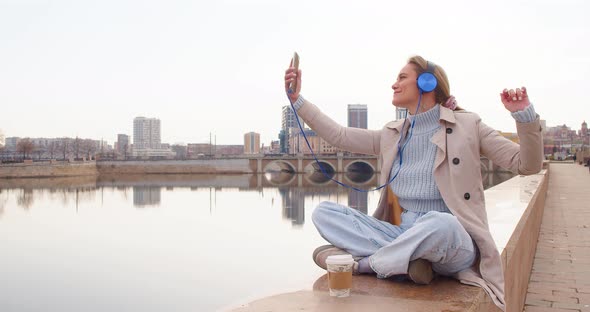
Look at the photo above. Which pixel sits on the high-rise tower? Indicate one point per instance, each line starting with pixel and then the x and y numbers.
pixel 146 133
pixel 357 116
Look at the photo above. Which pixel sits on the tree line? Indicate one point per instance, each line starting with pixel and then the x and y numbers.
pixel 62 148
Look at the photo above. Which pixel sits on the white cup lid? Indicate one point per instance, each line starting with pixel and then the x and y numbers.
pixel 339 259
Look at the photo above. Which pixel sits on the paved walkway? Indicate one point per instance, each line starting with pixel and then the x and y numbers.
pixel 560 278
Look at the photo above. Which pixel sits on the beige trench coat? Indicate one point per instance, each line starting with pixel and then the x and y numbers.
pixel 462 136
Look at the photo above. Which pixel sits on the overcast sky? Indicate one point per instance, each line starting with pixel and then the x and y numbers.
pixel 87 68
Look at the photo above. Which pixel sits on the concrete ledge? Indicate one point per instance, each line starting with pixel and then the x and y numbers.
pixel 515 209
pixel 372 294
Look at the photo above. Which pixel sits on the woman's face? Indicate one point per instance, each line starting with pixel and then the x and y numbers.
pixel 405 90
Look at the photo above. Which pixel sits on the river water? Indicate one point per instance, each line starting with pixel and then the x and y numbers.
pixel 161 242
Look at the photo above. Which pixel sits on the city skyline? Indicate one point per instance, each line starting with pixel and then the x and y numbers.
pixel 217 67
pixel 117 136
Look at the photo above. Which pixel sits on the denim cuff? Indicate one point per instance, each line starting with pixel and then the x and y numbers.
pixel 526 115
pixel 297 105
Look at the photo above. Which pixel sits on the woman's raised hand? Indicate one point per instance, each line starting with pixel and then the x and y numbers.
pixel 290 76
pixel 515 100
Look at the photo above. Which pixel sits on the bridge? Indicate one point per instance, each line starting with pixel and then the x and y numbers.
pixel 300 163
pixel 331 164
pixel 294 170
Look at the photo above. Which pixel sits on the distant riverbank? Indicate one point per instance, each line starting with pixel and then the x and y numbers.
pixel 48 169
pixel 92 168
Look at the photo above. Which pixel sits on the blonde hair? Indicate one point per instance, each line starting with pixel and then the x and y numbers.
pixel 442 92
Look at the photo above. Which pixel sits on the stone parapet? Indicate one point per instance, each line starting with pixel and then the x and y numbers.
pixel 519 251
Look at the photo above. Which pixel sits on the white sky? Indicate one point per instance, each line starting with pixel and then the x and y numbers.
pixel 87 68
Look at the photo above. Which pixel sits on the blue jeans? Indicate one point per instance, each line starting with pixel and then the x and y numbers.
pixel 435 236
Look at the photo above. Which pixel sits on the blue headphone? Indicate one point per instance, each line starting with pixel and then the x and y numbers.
pixel 427 81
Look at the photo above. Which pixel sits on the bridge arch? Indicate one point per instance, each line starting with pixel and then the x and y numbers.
pixel 318 178
pixel 280 172
pixel 314 174
pixel 359 171
pixel 314 167
pixel 279 165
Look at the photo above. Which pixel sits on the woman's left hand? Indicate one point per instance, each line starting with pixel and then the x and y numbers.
pixel 515 101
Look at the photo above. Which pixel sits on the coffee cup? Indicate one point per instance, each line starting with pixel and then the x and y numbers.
pixel 340 274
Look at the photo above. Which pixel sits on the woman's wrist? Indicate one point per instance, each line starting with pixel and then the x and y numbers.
pixel 299 102
pixel 527 114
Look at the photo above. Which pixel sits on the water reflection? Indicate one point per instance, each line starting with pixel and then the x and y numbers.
pixel 65 240
pixel 25 199
pixel 359 172
pixel 3 200
pixel 293 200
pixel 293 189
pixel 358 201
pixel 144 196
pixel 293 204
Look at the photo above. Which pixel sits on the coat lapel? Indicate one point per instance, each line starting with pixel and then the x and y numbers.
pixel 440 138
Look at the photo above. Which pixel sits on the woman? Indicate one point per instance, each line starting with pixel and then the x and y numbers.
pixel 439 185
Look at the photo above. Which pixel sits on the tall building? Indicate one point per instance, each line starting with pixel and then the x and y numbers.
pixel 275 147
pixel 288 122
pixel 146 133
pixel 288 119
pixel 357 116
pixel 400 113
pixel 123 144
pixel 252 143
pixel 11 143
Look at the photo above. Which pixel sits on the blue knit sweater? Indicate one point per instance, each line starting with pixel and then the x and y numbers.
pixel 414 185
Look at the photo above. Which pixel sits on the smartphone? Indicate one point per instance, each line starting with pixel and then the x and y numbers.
pixel 295 63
